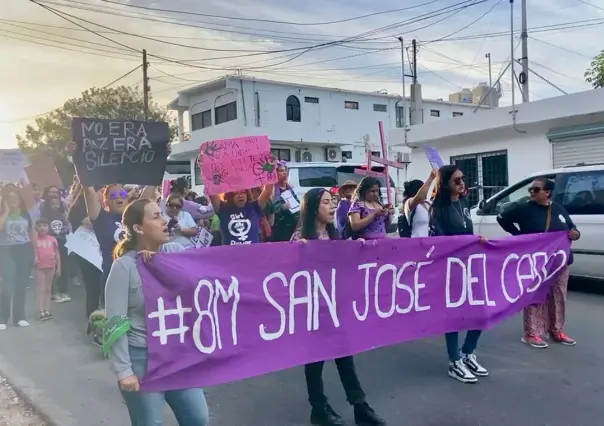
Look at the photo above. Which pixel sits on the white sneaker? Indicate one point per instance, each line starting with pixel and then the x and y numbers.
pixel 2 327
pixel 64 298
pixel 23 323
pixel 459 371
pixel 56 297
pixel 474 366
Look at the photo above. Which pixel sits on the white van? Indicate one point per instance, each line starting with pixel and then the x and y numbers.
pixel 580 189
pixel 305 176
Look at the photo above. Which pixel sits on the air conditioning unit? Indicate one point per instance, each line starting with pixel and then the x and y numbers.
pixel 331 154
pixel 403 157
pixel 306 156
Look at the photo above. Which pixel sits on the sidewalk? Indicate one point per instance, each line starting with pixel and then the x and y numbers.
pixel 59 371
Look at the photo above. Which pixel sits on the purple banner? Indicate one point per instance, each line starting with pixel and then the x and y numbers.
pixel 433 157
pixel 220 314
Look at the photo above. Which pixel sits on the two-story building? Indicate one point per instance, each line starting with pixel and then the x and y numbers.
pixel 304 123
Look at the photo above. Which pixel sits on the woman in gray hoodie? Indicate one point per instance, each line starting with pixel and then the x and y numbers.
pixel 126 337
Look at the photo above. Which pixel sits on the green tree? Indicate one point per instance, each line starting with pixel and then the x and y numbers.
pixel 52 132
pixel 595 73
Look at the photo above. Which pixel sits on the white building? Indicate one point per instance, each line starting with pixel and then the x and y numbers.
pixel 304 123
pixel 493 153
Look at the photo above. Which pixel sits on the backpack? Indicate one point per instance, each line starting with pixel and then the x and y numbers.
pixel 349 233
pixel 405 227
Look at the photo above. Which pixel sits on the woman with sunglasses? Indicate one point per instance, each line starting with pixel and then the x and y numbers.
pixel 317 213
pixel 181 225
pixel 540 214
pixel 449 216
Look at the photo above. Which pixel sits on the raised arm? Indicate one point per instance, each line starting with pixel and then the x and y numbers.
pixel 422 194
pixel 265 195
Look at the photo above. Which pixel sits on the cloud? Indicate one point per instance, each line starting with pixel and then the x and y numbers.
pixel 38 77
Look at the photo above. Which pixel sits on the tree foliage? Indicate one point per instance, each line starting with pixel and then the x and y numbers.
pixel 51 132
pixel 595 73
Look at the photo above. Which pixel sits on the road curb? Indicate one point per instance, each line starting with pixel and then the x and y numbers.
pixel 51 413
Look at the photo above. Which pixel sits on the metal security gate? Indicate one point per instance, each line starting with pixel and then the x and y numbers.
pixel 575 151
pixel 486 173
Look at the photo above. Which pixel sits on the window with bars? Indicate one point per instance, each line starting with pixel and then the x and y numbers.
pixel 485 174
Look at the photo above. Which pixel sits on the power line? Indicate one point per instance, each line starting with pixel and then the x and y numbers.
pixel 468 25
pixel 123 76
pixel 590 4
pixel 560 47
pixel 183 12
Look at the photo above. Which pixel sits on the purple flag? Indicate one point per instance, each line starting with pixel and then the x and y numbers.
pixel 220 314
pixel 433 157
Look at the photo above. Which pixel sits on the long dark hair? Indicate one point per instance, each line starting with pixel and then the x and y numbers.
pixel 365 185
pixel 309 212
pixel 134 213
pixel 45 210
pixel 443 193
pixel 411 188
pixel 47 191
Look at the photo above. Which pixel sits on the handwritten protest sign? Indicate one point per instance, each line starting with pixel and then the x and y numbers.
pixel 12 164
pixel 113 151
pixel 203 238
pixel 433 157
pixel 44 173
pixel 84 243
pixel 236 164
pixel 212 319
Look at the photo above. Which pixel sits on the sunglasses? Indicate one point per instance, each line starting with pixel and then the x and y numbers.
pixel 535 189
pixel 175 206
pixel 118 194
pixel 458 180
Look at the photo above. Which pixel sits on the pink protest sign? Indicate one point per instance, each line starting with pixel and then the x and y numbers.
pixel 236 164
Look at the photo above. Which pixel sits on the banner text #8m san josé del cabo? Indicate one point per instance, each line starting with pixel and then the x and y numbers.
pixel 228 313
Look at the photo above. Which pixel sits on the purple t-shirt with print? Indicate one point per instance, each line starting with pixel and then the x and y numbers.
pixel 239 225
pixel 376 229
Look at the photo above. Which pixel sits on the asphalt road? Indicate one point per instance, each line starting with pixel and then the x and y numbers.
pixel 407 384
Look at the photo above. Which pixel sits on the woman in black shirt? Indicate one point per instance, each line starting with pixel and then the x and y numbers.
pixel 450 215
pixel 540 214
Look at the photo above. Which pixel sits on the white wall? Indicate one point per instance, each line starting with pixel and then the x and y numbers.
pixel 325 123
pixel 526 155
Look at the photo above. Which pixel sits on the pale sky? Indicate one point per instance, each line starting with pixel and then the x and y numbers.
pixel 47 60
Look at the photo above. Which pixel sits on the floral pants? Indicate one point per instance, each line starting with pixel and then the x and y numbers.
pixel 549 316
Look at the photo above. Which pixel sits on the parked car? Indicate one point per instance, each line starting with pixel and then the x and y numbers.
pixel 304 176
pixel 580 189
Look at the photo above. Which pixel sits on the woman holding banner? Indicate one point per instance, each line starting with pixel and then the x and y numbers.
pixel 540 214
pixel 125 334
pixel 317 223
pixel 450 216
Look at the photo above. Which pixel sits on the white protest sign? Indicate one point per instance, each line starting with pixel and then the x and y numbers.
pixel 12 165
pixel 288 197
pixel 84 243
pixel 203 238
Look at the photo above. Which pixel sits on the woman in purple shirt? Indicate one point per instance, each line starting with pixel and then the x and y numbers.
pixel 368 217
pixel 316 223
pixel 345 192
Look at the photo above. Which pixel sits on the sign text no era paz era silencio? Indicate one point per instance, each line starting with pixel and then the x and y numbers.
pixel 114 143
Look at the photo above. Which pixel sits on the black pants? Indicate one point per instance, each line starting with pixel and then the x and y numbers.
pixel 16 263
pixel 92 278
pixel 61 283
pixel 348 377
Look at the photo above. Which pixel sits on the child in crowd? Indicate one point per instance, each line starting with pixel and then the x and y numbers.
pixel 48 263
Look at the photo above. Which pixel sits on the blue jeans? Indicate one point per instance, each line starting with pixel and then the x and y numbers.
pixel 147 408
pixel 469 345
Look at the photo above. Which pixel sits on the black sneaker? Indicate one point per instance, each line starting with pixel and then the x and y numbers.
pixel 48 315
pixel 470 361
pixel 325 416
pixel 364 415
pixel 42 316
pixel 97 341
pixel 459 371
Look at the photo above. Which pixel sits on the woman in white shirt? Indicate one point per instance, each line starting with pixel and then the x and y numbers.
pixel 181 225
pixel 416 205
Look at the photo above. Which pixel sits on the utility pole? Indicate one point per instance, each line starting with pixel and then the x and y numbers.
pixel 488 56
pixel 146 87
pixel 414 47
pixel 404 118
pixel 524 75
